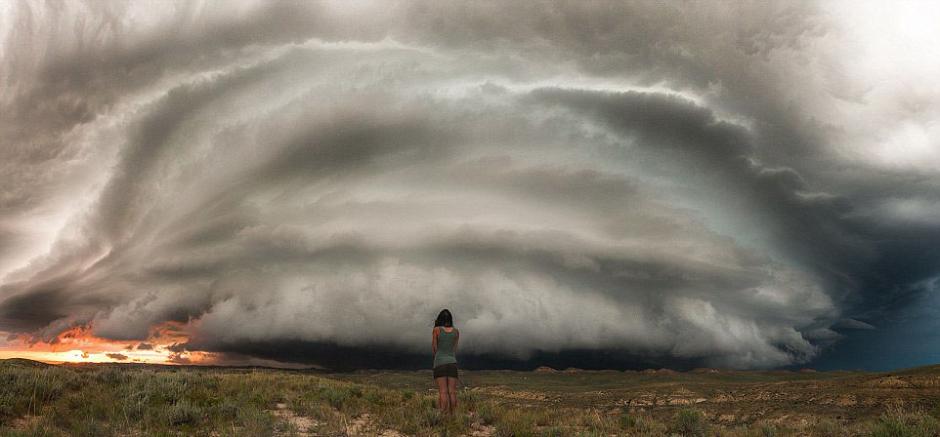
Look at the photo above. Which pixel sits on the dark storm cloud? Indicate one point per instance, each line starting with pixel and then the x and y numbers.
pixel 630 183
pixel 828 233
pixel 344 358
pixel 806 223
pixel 77 79
pixel 31 310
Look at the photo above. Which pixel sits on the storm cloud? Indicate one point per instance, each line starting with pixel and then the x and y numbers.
pixel 593 184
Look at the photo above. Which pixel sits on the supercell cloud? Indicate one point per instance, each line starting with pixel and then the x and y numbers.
pixel 722 184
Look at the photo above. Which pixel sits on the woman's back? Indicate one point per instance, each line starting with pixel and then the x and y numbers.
pixel 445 346
pixel 445 372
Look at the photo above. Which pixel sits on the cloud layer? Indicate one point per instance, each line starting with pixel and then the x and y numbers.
pixel 691 183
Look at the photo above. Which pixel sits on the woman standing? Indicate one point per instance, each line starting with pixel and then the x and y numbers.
pixel 444 344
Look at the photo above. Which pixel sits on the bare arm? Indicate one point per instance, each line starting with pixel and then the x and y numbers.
pixel 434 340
pixel 456 340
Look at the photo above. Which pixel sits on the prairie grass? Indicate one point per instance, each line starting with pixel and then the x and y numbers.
pixel 40 400
pixel 897 422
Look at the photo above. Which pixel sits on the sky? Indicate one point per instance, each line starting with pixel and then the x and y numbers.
pixel 744 185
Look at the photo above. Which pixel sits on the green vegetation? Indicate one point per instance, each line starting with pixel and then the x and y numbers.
pixel 690 423
pixel 899 423
pixel 102 400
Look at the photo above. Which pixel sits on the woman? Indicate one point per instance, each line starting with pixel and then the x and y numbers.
pixel 444 344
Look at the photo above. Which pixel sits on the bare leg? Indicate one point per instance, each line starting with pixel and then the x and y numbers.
pixel 442 398
pixel 452 392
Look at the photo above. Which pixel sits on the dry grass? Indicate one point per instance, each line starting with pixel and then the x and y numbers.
pixel 38 400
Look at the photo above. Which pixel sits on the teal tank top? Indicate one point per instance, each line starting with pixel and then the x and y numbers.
pixel 445 347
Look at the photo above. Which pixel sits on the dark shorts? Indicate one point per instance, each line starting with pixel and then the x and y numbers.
pixel 446 370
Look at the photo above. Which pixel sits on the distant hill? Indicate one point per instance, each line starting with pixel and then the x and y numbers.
pixel 22 362
pixel 933 369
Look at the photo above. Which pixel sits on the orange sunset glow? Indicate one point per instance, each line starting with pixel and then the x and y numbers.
pixel 80 345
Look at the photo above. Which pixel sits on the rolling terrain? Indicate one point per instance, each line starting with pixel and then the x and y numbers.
pixel 123 399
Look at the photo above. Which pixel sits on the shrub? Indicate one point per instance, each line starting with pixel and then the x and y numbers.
pixel 36 428
pixel 134 405
pixel 225 410
pixel 466 396
pixel 487 412
pixel 183 413
pixel 827 428
pixel 373 397
pixel 255 422
pixel 768 431
pixel 431 417
pixel 900 424
pixel 8 404
pixel 516 423
pixel 626 420
pixel 356 391
pixel 690 423
pixel 87 426
pixel 335 397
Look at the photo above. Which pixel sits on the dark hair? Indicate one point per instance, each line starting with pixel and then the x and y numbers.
pixel 444 319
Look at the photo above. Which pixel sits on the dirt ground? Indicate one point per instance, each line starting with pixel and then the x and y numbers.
pixel 726 397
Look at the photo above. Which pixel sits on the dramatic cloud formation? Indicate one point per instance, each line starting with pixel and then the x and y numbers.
pixel 595 184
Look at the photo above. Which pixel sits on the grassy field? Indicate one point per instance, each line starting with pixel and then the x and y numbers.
pixel 128 400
